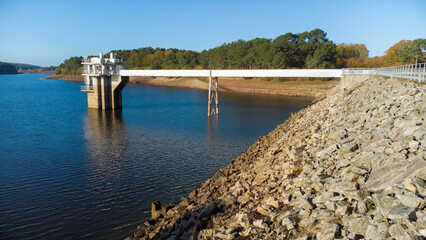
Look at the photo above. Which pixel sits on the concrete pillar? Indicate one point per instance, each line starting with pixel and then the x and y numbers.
pixel 117 89
pixel 106 93
pixel 94 98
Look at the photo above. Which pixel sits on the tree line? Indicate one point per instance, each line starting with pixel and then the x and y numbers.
pixel 29 68
pixel 6 68
pixel 289 51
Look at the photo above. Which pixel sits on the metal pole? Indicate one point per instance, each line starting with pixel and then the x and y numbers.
pixel 416 75
pixel 210 93
pixel 217 97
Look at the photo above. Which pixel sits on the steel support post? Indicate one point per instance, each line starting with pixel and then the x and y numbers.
pixel 213 96
pixel 210 94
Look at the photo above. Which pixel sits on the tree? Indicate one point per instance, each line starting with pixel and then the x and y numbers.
pixel 204 59
pixel 284 51
pixel 352 51
pixel 324 56
pixel 170 62
pixel 418 50
pixel 400 53
pixel 352 55
pixel 70 66
pixel 236 54
pixel 280 61
pixel 154 61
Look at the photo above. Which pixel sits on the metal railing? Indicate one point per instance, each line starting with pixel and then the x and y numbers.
pixel 86 60
pixel 102 60
pixel 412 71
pixel 86 88
pixel 356 71
pixel 100 72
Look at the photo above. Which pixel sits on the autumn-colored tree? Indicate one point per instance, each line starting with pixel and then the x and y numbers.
pixel 154 61
pixel 134 60
pixel 351 55
pixel 398 54
pixel 352 50
pixel 406 52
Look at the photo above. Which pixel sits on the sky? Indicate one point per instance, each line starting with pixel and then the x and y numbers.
pixel 46 32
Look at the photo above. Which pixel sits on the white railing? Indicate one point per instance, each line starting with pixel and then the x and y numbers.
pixel 100 72
pixel 96 60
pixel 412 71
pixel 114 61
pixel 86 88
pixel 86 60
pixel 93 60
pixel 356 71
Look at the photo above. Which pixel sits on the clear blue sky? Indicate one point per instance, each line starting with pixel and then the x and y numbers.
pixel 45 32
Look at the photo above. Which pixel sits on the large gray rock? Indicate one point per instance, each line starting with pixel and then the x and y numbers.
pixel 359 225
pixel 400 213
pixel 329 231
pixel 387 173
pixel 410 199
pixel 377 232
pixel 398 232
pixel 383 201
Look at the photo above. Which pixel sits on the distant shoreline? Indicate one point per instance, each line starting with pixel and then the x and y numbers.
pixel 65 78
pixel 303 88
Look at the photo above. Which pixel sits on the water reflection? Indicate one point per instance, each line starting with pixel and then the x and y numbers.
pixel 213 140
pixel 212 129
pixel 105 133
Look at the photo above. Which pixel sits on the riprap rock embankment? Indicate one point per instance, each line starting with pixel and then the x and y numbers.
pixel 350 166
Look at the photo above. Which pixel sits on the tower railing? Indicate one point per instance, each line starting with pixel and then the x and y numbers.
pixel 96 60
pixel 86 88
pixel 100 72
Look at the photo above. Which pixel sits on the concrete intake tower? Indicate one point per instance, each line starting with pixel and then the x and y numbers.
pixel 103 82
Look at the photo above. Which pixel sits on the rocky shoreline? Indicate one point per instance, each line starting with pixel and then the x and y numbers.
pixel 350 166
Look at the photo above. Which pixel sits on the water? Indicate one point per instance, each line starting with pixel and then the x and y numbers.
pixel 71 173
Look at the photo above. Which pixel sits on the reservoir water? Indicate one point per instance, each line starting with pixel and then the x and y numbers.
pixel 68 172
